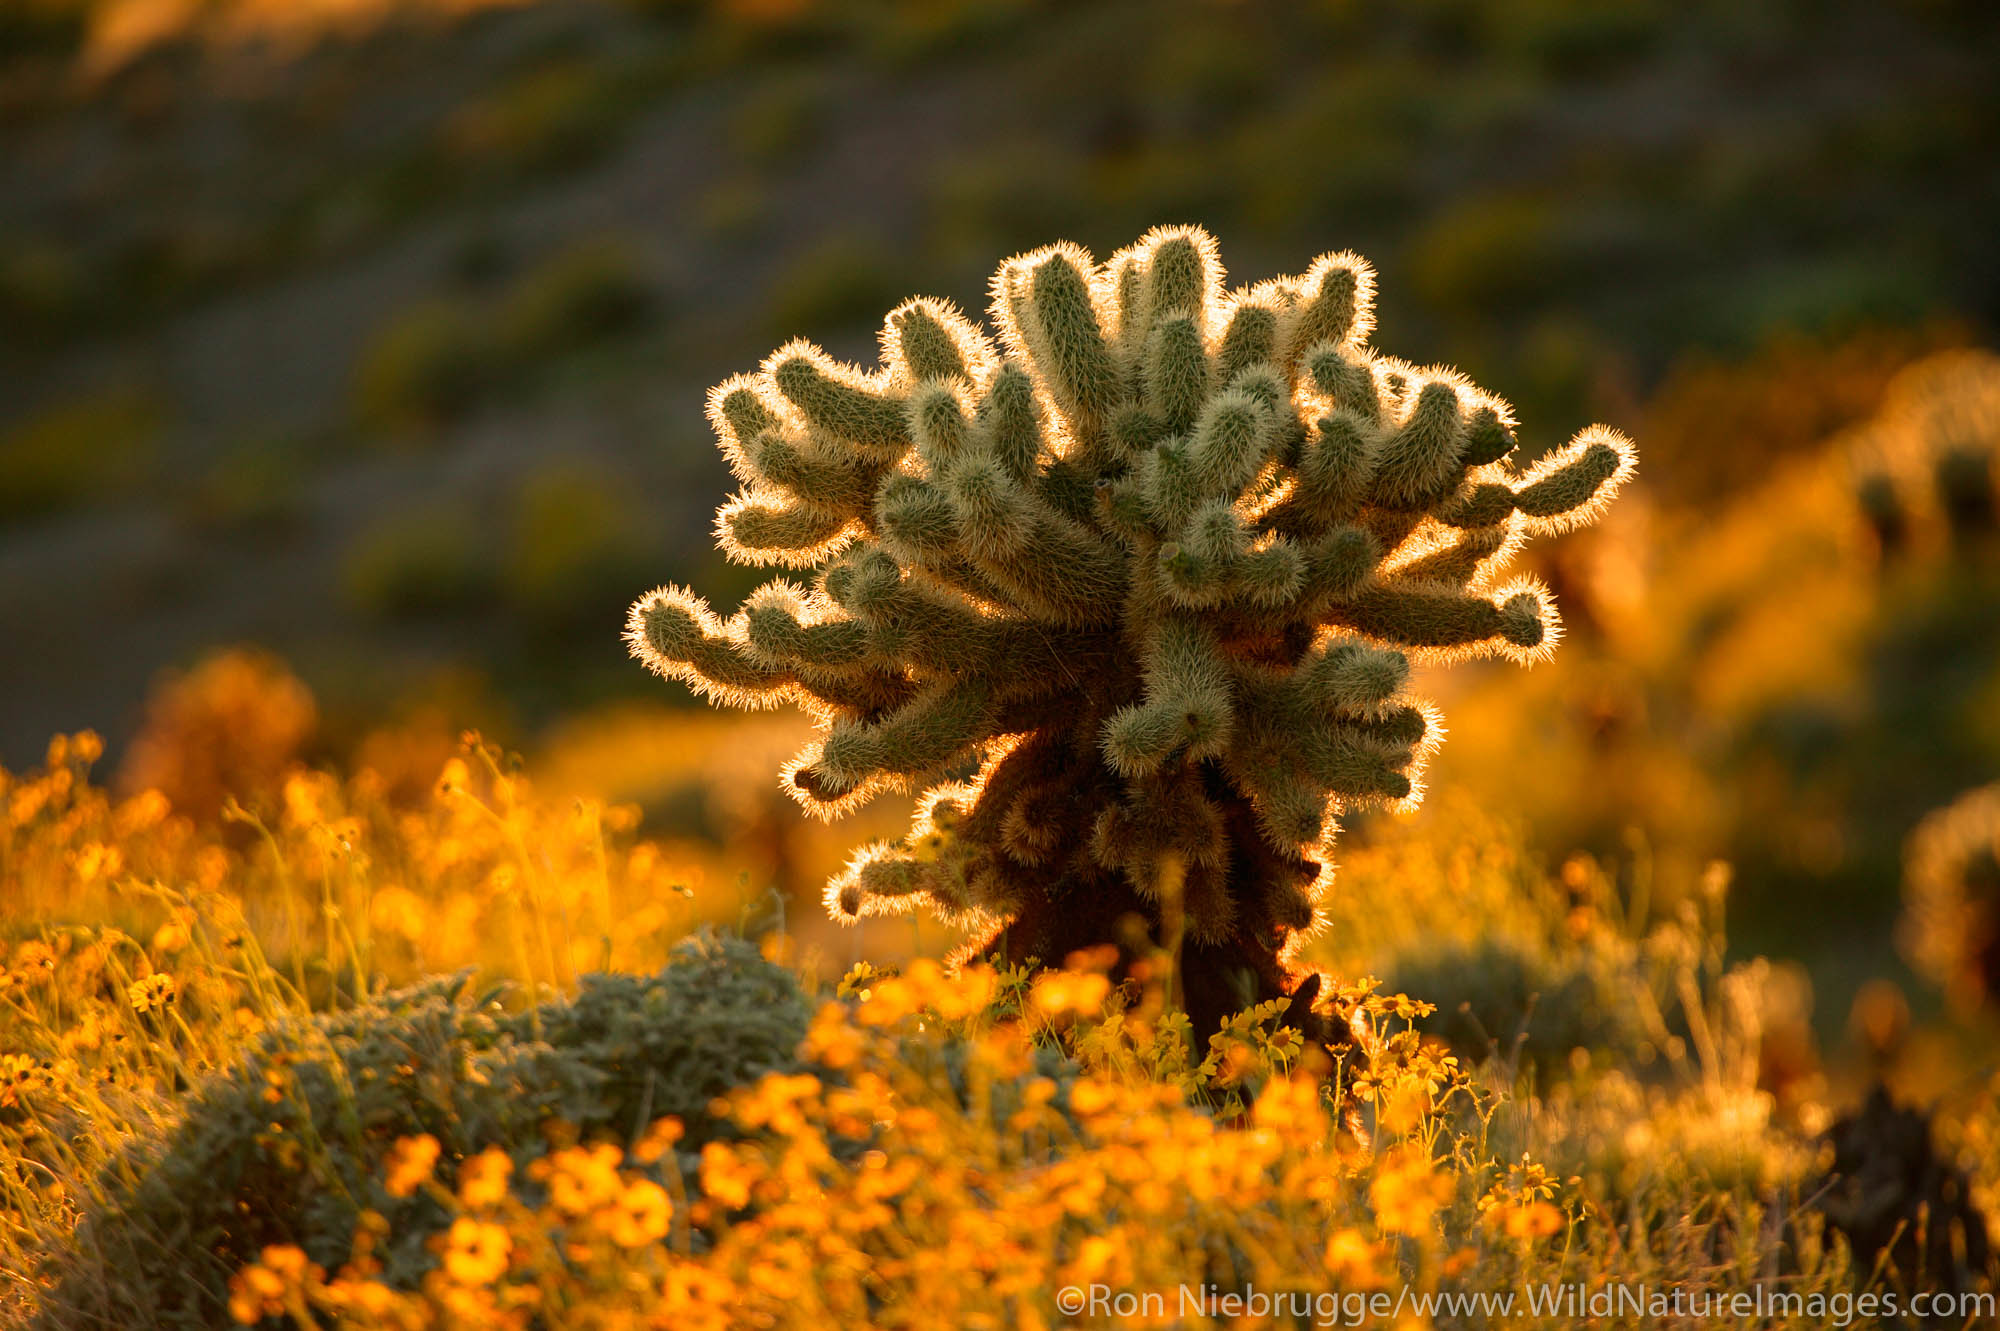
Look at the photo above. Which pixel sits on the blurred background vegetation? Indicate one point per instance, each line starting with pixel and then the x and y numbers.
pixel 375 334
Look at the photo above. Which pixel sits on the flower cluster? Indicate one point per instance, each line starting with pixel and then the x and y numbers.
pixel 940 1166
pixel 143 945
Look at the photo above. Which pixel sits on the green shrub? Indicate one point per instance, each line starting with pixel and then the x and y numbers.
pixel 576 544
pixel 425 368
pixel 438 359
pixel 257 484
pixel 553 116
pixel 417 563
pixel 244 1170
pixel 1494 996
pixel 595 288
pixel 842 281
pixel 76 451
pixel 45 289
pixel 777 123
pixel 1487 254
pixel 42 27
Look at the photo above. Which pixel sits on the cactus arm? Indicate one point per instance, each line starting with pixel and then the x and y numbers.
pixel 762 529
pixel 1043 304
pixel 675 635
pixel 1571 486
pixel 1188 704
pixel 1337 305
pixel 1177 373
pixel 839 401
pixel 1048 564
pixel 1432 615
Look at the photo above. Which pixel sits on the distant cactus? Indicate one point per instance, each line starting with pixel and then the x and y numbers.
pixel 1931 461
pixel 1951 897
pixel 1152 571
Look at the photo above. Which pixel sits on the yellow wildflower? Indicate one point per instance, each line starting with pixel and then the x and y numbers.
pixel 726 1177
pixel 1060 992
pixel 476 1251
pixel 1092 1095
pixel 98 861
pixel 1526 1219
pixel 659 1139
pixel 640 1214
pixel 276 1283
pixel 1408 1192
pixel 832 1040
pixel 1353 1260
pixel 170 938
pixel 483 1179
pixel 581 1179
pixel 154 992
pixel 410 1163
pixel 18 1074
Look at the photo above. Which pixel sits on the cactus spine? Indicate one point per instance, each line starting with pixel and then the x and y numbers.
pixel 1131 595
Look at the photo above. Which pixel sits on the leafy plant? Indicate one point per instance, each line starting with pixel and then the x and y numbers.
pixel 77 451
pixel 288 1147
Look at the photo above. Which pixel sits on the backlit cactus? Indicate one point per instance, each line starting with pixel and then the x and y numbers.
pixel 1131 594
pixel 1951 897
pixel 1931 461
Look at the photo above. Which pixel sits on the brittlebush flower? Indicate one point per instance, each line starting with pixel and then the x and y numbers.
pixel 778 1102
pixel 275 1283
pixel 152 993
pixel 410 1163
pixel 170 938
pixel 483 1179
pixel 659 1139
pixel 1081 992
pixel 1091 1096
pixel 1526 1220
pixel 581 1179
pixel 832 1040
pixel 1354 1260
pixel 640 1214
pixel 1408 1192
pixel 475 1251
pixel 18 1074
pixel 725 1176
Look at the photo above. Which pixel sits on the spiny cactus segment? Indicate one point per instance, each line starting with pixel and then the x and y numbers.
pixel 1931 460
pixel 1951 897
pixel 1131 594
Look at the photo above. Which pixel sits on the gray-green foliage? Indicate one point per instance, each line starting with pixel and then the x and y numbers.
pixel 1531 1005
pixel 243 1171
pixel 1155 563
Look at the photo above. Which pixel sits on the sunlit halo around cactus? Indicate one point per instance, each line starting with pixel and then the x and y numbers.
pixel 1130 594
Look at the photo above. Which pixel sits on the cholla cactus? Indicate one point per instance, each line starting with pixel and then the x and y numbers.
pixel 1931 460
pixel 1132 595
pixel 1951 897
